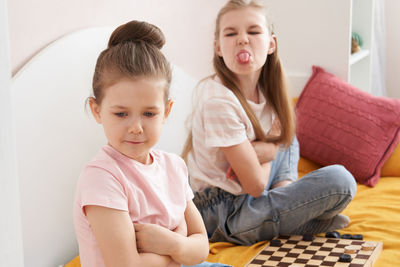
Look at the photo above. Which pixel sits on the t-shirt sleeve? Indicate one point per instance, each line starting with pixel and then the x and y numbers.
pixel 223 123
pixel 189 192
pixel 182 172
pixel 188 189
pixel 99 187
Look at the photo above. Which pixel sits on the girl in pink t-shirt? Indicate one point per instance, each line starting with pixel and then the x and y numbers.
pixel 133 204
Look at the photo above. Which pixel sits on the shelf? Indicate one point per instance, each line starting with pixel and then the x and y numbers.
pixel 354 58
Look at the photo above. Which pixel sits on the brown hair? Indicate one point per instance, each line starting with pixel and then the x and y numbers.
pixel 133 52
pixel 271 82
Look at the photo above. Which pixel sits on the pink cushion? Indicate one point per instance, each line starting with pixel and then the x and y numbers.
pixel 339 124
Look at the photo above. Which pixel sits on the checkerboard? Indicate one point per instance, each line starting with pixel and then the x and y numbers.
pixel 319 252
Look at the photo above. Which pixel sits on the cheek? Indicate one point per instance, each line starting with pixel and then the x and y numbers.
pixel 154 126
pixel 266 44
pixel 108 121
pixel 160 124
pixel 114 126
pixel 228 47
pixel 159 127
pixel 224 46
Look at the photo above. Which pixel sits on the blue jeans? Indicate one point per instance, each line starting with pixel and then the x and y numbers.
pixel 208 264
pixel 303 207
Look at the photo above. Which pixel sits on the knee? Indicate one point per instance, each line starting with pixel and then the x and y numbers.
pixel 341 178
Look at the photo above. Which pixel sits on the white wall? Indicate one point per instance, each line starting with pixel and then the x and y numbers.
pixel 10 223
pixel 311 36
pixel 392 48
pixel 188 25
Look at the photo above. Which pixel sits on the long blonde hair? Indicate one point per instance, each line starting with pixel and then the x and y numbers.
pixel 271 82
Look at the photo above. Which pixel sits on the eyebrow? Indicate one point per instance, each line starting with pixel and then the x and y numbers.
pixel 118 107
pixel 153 107
pixel 228 29
pixel 255 26
pixel 123 107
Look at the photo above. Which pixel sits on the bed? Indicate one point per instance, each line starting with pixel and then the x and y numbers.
pixel 56 136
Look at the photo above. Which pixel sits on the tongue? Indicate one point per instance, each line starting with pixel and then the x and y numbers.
pixel 243 57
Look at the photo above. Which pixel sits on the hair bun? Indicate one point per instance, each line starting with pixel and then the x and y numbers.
pixel 136 31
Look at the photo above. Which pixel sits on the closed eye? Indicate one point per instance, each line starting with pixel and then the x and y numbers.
pixel 230 34
pixel 254 32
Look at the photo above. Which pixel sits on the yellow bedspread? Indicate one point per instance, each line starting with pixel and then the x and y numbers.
pixel 374 213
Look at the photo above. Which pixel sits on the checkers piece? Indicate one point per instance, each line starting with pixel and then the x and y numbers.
pixel 367 246
pixel 357 237
pixel 344 258
pixel 333 234
pixel 350 249
pixel 275 243
pixel 308 237
pixel 346 236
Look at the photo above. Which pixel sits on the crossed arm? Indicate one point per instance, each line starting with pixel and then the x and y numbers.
pixel 125 244
pixel 251 173
pixel 250 163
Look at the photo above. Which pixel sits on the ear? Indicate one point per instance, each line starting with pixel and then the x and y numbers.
pixel 95 109
pixel 272 44
pixel 217 48
pixel 168 108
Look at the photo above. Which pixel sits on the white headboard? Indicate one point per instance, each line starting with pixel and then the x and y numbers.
pixel 56 137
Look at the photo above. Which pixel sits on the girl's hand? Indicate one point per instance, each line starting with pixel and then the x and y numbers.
pixel 152 238
pixel 115 235
pixel 230 175
pixel 266 152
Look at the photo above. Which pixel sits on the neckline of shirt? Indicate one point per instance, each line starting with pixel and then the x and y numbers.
pixel 111 151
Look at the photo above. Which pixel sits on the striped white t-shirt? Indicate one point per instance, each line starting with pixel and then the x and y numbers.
pixel 219 120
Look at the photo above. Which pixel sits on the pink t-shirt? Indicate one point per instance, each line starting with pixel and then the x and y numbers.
pixel 219 120
pixel 156 193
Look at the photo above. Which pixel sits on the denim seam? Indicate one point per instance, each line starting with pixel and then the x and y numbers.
pixel 317 199
pixel 274 220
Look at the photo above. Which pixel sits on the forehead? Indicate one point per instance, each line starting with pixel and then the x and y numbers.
pixel 126 91
pixel 246 16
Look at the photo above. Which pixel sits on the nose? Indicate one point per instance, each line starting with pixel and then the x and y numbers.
pixel 135 126
pixel 243 38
